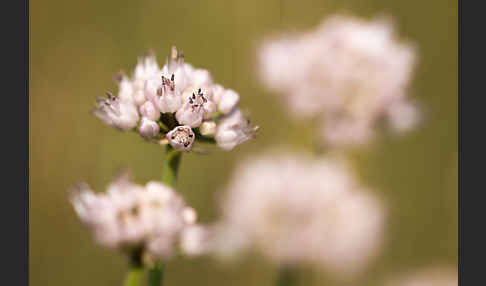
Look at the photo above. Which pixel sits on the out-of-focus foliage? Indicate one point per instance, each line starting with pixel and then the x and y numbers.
pixel 77 46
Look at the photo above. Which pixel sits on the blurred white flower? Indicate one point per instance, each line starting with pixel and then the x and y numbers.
pixel 151 217
pixel 157 100
pixel 403 116
pixel 432 276
pixel 347 71
pixel 181 138
pixel 295 209
pixel 196 240
pixel 233 129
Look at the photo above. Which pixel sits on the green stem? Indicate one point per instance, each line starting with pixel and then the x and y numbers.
pixel 287 276
pixel 134 276
pixel 171 166
pixel 156 274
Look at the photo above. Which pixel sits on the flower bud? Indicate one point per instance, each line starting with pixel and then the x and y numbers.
pixel 208 128
pixel 148 128
pixel 139 93
pixel 228 101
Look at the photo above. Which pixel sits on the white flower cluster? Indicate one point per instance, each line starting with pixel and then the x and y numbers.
pixel 432 276
pixel 177 102
pixel 349 73
pixel 130 216
pixel 295 209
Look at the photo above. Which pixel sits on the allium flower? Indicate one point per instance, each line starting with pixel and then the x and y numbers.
pixel 156 100
pixel 169 99
pixel 233 129
pixel 196 106
pixel 295 209
pixel 130 216
pixel 117 113
pixel 181 138
pixel 434 276
pixel 347 72
pixel 146 79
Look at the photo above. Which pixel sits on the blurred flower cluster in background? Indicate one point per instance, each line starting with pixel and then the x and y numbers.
pixel 351 178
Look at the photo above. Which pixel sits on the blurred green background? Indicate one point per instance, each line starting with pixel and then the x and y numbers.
pixel 77 46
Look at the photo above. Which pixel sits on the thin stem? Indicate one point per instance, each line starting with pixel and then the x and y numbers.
pixel 134 276
pixel 287 276
pixel 171 166
pixel 156 274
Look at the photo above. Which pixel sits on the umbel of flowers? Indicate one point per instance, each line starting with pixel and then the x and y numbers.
pixel 176 104
pixel 349 74
pixel 150 222
pixel 295 209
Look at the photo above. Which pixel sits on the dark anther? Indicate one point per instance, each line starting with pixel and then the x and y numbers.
pixel 173 136
pixel 186 144
pixel 190 135
pixel 172 77
pixel 110 95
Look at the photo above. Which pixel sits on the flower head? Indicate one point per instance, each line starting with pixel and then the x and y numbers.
pixel 156 101
pixel 347 72
pixel 128 216
pixel 295 209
